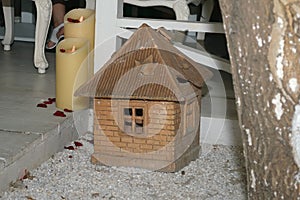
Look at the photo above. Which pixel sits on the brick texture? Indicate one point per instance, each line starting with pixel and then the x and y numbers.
pixel 163 142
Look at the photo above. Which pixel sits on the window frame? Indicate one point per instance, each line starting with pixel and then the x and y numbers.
pixel 133 118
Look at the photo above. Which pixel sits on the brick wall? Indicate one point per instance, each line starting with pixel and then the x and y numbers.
pixel 161 126
pixel 156 147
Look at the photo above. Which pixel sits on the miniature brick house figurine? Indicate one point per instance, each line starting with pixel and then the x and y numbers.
pixel 147 105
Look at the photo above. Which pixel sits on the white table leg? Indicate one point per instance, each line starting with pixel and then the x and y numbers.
pixel 44 12
pixel 8 11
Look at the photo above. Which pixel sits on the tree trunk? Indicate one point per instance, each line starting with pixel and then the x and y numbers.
pixel 264 45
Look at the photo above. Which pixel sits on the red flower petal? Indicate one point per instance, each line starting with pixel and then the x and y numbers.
pixel 73 20
pixel 78 144
pixel 42 105
pixel 52 99
pixel 47 102
pixel 69 148
pixel 67 110
pixel 59 114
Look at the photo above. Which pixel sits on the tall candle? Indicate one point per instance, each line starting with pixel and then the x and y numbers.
pixel 72 70
pixel 74 28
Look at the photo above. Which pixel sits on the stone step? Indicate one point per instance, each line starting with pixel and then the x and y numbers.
pixel 20 151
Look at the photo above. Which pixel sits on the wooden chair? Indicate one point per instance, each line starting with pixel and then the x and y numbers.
pixel 44 12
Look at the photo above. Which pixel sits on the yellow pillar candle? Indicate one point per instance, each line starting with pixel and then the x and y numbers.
pixel 72 70
pixel 74 28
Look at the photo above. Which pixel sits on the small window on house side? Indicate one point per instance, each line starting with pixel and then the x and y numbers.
pixel 134 120
pixel 128 111
pixel 139 112
pixel 127 125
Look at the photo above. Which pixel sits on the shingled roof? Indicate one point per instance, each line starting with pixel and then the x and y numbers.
pixel 147 66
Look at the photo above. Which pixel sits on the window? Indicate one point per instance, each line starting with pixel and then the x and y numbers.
pixel 134 120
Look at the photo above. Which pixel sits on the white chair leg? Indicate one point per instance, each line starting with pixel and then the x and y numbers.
pixel 44 11
pixel 207 9
pixel 8 11
pixel 181 9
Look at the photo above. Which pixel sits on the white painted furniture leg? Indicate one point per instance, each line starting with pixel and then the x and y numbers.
pixel 44 11
pixel 181 9
pixel 8 11
pixel 207 9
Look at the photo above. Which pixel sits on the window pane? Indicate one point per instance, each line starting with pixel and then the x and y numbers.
pixel 139 112
pixel 139 122
pixel 139 130
pixel 127 126
pixel 139 125
pixel 128 111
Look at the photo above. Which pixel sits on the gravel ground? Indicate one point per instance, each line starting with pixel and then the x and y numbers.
pixel 219 173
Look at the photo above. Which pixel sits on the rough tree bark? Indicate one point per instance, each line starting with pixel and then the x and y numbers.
pixel 264 45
